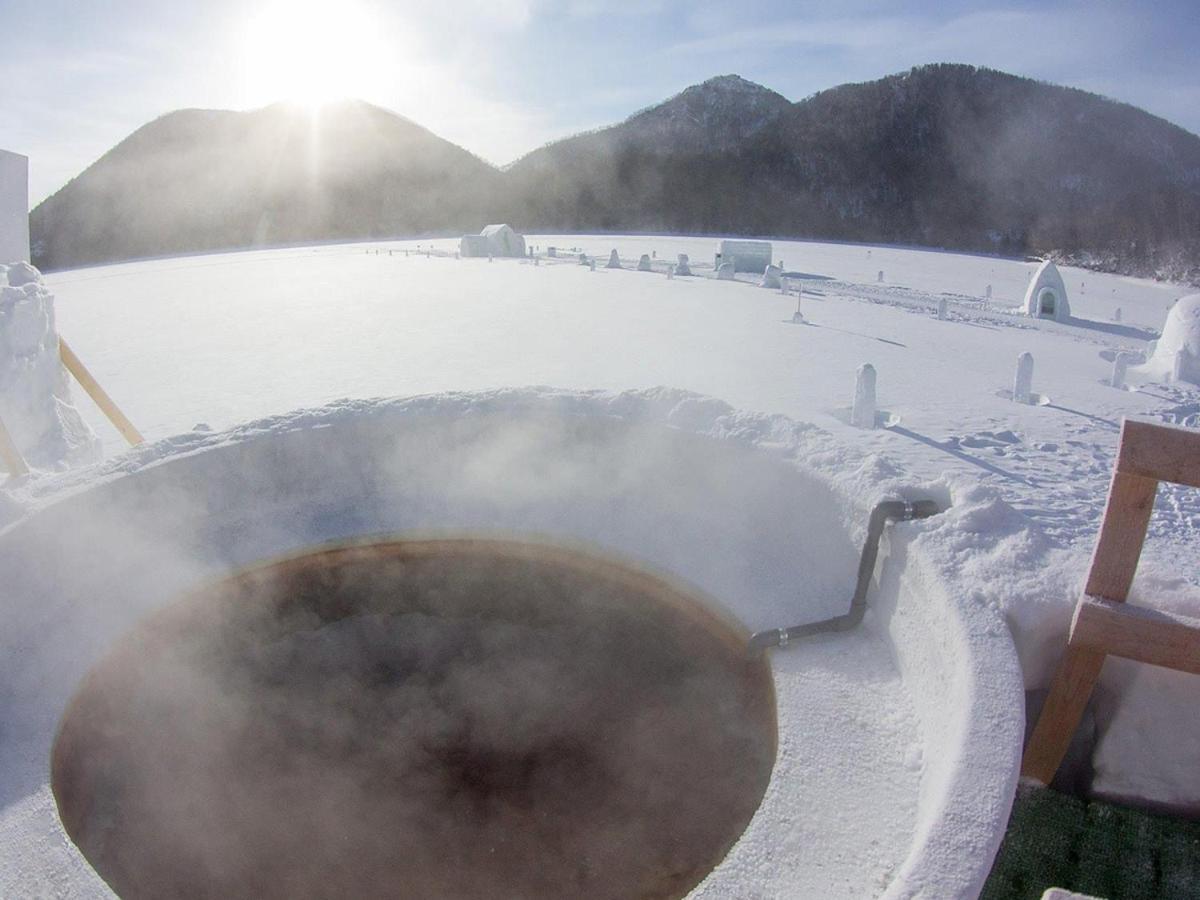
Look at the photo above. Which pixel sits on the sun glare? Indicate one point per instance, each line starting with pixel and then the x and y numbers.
pixel 312 52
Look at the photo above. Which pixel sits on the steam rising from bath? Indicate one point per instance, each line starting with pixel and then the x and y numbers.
pixel 432 719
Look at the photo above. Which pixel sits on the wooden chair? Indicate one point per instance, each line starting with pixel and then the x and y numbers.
pixel 1103 624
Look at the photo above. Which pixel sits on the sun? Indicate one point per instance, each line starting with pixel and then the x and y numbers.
pixel 312 52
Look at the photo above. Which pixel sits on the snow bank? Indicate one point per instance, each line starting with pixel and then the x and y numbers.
pixel 899 742
pixel 35 400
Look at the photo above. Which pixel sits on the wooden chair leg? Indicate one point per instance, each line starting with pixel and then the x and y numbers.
pixel 1069 695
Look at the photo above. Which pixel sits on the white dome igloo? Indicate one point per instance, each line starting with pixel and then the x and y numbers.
pixel 1046 297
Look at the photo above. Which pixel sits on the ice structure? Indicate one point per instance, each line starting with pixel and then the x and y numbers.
pixel 1177 352
pixel 35 399
pixel 1046 296
pixel 614 261
pixel 772 278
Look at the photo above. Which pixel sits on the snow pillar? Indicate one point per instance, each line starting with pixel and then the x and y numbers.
pixel 1117 314
pixel 614 261
pixel 863 413
pixel 489 257
pixel 1120 365
pixel 783 287
pixel 1023 381
pixel 670 272
pixel 881 276
pixel 987 293
pixel 35 396
pixel 592 264
pixel 644 263
pixel 942 309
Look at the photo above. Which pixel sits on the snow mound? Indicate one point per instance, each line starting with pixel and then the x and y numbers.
pixel 1177 353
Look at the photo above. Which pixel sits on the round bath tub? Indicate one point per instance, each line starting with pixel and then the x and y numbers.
pixel 298 728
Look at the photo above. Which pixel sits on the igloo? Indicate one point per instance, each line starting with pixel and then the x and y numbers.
pixel 1046 297
pixel 1180 341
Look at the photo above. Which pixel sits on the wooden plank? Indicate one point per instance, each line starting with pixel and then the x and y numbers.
pixel 98 394
pixel 1135 632
pixel 11 456
pixel 1069 694
pixel 1164 452
pixel 1122 533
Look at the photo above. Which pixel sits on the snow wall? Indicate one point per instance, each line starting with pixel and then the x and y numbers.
pixel 676 483
pixel 14 207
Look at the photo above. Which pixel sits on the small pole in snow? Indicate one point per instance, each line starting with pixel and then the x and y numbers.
pixel 1023 381
pixel 1120 365
pixel 881 276
pixel 987 292
pixel 942 309
pixel 1117 314
pixel 862 415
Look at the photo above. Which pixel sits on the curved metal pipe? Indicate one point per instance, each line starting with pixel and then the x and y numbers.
pixel 887 511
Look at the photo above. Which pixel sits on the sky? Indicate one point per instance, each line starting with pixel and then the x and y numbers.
pixel 502 77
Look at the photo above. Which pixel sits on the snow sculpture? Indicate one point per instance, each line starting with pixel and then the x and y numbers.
pixel 683 267
pixel 471 245
pixel 1177 352
pixel 725 271
pixel 35 396
pixel 771 277
pixel 987 293
pixel 14 207
pixel 670 272
pixel 552 252
pixel 1046 296
pixel 644 263
pixel 503 241
pixel 942 309
pixel 583 260
pixel 1117 314
pixel 592 264
pixel 614 261
pixel 862 414
pixel 1023 380
pixel 880 279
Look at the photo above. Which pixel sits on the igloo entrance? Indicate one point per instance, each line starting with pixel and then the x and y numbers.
pixel 1047 304
pixel 444 718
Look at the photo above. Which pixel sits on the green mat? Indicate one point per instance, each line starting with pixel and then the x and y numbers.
pixel 1054 840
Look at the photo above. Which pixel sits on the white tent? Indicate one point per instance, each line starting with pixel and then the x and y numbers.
pixel 503 241
pixel 14 208
pixel 746 256
pixel 1046 297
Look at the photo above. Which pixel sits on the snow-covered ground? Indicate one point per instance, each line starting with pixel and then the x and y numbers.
pixel 228 338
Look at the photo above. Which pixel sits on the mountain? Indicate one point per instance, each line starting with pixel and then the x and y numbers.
pixel 211 179
pixel 943 155
pixel 620 176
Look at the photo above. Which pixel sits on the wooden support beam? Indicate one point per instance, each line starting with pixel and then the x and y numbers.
pixel 1135 632
pixel 1122 533
pixel 98 394
pixel 11 456
pixel 1162 452
pixel 1062 712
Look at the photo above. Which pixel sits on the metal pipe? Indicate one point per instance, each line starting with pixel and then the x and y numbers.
pixel 887 511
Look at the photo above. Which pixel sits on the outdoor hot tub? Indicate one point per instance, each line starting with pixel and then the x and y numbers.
pixel 490 645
